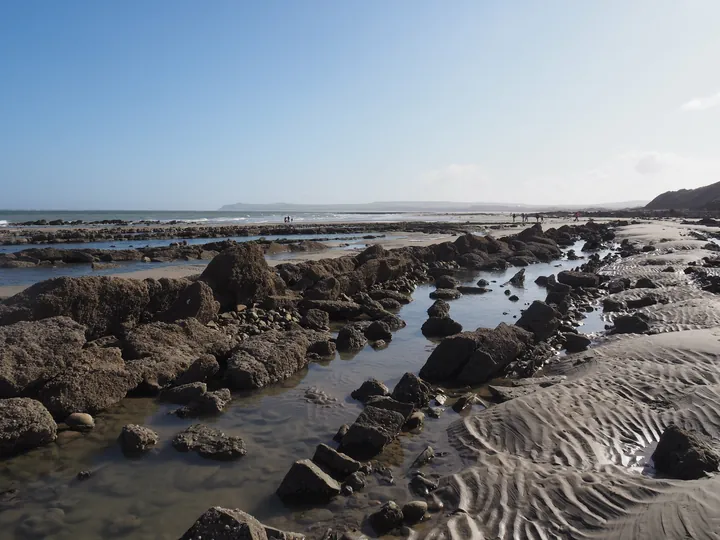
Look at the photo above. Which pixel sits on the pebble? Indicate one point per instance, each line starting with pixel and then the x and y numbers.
pixel 80 422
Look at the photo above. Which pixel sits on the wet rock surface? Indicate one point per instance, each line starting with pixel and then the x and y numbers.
pixel 684 454
pixel 136 440
pixel 440 327
pixel 24 424
pixel 306 482
pixel 371 432
pixel 210 443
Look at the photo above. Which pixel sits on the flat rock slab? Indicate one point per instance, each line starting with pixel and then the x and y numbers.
pixel 209 443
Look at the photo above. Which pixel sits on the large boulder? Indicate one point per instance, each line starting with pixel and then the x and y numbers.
pixel 269 358
pixel 225 524
pixel 372 430
pixel 475 357
pixel 578 279
pixel 684 454
pixel 439 309
pixel 240 275
pixel 210 443
pixel 631 324
pixel 306 482
pixel 540 319
pixel 440 327
pixel 24 424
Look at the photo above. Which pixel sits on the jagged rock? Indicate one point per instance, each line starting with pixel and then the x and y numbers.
pixel 475 357
pixel 341 433
pixel 578 279
pixel 378 330
pixel 389 404
pixel 201 370
pixel 540 319
pixel 337 464
pixel 372 430
pixel 518 279
pixel 224 524
pixel 350 338
pixel 240 275
pixel 306 483
pixel 371 387
pixel 184 394
pixel 631 324
pixel 411 389
pixel 386 519
pixel 439 309
pixel 414 512
pixel 206 404
pixel 440 327
pixel 463 402
pixel 136 439
pixel 684 454
pixel 575 342
pixel 393 322
pixel 645 283
pixel 209 443
pixel 446 282
pixel 269 358
pixel 24 424
pixel 445 294
pixel 315 319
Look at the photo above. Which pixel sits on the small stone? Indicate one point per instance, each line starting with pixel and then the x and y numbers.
pixel 464 402
pixel 415 422
pixel 371 387
pixel 337 464
pixel 80 422
pixel 136 439
pixel 425 457
pixel 422 486
pixel 414 512
pixel 356 480
pixel 513 298
pixel 84 475
pixel 386 519
pixel 435 412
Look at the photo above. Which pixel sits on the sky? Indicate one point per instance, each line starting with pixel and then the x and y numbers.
pixel 175 104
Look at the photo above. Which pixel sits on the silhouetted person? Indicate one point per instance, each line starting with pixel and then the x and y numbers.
pixel 514 216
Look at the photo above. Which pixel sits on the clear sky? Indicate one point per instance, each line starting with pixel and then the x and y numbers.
pixel 179 104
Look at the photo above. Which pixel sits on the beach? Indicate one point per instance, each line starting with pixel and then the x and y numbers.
pixel 554 440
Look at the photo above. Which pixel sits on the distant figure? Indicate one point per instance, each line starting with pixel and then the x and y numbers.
pixel 542 218
pixel 514 216
pixel 537 218
pixel 577 216
pixel 522 217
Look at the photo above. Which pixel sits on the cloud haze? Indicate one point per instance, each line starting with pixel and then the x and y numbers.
pixel 702 104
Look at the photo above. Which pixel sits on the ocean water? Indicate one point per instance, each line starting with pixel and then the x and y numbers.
pixel 8 217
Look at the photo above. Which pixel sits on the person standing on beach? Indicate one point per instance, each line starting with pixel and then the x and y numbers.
pixel 514 216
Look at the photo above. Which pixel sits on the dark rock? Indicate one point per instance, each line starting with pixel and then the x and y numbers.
pixel 446 282
pixel 306 483
pixel 356 481
pixel 337 310
pixel 643 301
pixel 414 512
pixel 425 457
pixel 575 342
pixel 209 443
pixel 514 298
pixel 518 279
pixel 415 421
pixel 371 387
pixel 482 283
pixel 315 319
pixel 184 394
pixel 411 389
pixel 382 294
pixel 24 424
pixel 472 290
pixel 136 439
pixel 324 349
pixel 341 433
pixel 463 402
pixel 645 283
pixel 338 465
pixel 386 519
pixel 422 486
pixel 611 305
pixel 393 322
pixel 390 304
pixel 224 524
pixel 201 370
pixel 440 327
pixel 390 404
pixel 631 324
pixel 684 454
pixel 669 270
pixel 475 357
pixel 80 422
pixel 615 286
pixel 378 330
pixel 350 339
pixel 540 319
pixel 445 294
pixel 648 248
pixel 196 300
pixel 206 404
pixel 439 309
pixel 240 275
pixel 578 279
pixel 372 430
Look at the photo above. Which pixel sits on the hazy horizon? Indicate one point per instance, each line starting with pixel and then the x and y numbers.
pixel 188 106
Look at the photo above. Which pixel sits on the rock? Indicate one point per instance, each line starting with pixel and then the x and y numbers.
pixel 24 424
pixel 390 404
pixel 425 457
pixel 306 483
pixel 379 344
pixel 209 443
pixel 415 422
pixel 414 512
pixel 136 439
pixel 184 394
pixel 224 524
pixel 611 305
pixel 315 319
pixel 378 330
pixel 337 310
pixel 206 404
pixel 463 402
pixel 201 370
pixel 372 430
pixel 240 275
pixel 356 481
pixel 645 283
pixel 540 319
pixel 435 412
pixel 483 283
pixel 338 465
pixel 445 294
pixel 578 279
pixel 350 339
pixel 324 348
pixel 341 433
pixel 514 298
pixel 518 279
pixel 446 282
pixel 390 304
pixel 631 324
pixel 80 422
pixel 269 358
pixel 439 309
pixel 669 270
pixel 422 486
pixel 381 294
pixel 411 389
pixel 684 454
pixel 196 300
pixel 476 357
pixel 440 327
pixel 386 519
pixel 615 286
pixel 643 301
pixel 472 290
pixel 371 387
pixel 575 342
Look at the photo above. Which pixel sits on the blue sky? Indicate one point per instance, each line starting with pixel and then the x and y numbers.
pixel 192 105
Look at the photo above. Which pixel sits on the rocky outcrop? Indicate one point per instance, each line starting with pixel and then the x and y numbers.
pixel 240 275
pixel 270 357
pixel 475 357
pixel 540 319
pixel 316 319
pixel 371 432
pixel 210 443
pixel 445 294
pixel 306 482
pixel 702 198
pixel 24 424
pixel 684 454
pixel 446 282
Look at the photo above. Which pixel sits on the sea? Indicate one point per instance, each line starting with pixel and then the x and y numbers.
pixel 10 217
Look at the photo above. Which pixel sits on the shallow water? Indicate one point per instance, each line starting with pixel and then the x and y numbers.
pixel 160 495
